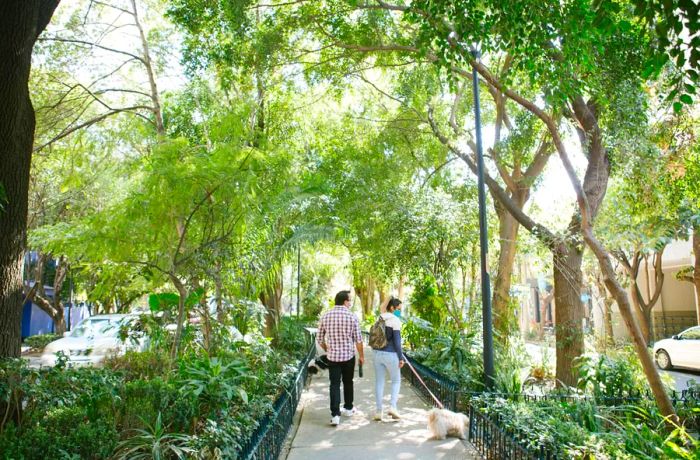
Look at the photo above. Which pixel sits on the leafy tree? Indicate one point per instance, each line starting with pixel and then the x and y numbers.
pixel 21 24
pixel 581 75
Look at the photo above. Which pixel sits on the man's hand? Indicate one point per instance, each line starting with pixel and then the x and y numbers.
pixel 324 346
pixel 362 359
pixel 401 363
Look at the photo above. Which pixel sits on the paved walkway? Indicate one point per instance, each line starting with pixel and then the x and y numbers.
pixel 359 437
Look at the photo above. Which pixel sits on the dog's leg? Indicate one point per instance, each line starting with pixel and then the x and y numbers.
pixel 460 434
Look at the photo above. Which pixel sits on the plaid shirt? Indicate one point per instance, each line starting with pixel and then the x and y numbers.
pixel 339 329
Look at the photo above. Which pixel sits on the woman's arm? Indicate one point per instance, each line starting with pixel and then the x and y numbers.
pixel 397 346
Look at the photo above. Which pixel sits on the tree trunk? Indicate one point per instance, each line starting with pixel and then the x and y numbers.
pixel 53 307
pixel 218 292
pixel 21 22
pixel 644 307
pixel 507 237
pixel 383 294
pixel 182 292
pixel 569 311
pixel 568 256
pixel 695 276
pixel 271 298
pixel 607 318
pixel 696 270
pixel 641 314
pixel 364 289
pixel 623 303
pixel 155 96
pixel 608 302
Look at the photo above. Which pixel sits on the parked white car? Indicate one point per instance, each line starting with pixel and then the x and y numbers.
pixel 682 350
pixel 91 341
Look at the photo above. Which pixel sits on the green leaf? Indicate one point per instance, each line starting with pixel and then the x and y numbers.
pixel 686 99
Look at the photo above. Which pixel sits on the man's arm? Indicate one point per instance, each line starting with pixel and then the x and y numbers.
pixel 358 341
pixel 320 337
pixel 360 351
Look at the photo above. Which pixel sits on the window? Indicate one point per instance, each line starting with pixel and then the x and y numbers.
pixel 691 334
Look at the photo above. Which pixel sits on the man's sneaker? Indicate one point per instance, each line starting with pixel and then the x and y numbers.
pixel 377 416
pixel 348 412
pixel 394 413
pixel 335 421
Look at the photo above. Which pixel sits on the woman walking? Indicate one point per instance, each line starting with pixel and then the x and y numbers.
pixel 389 359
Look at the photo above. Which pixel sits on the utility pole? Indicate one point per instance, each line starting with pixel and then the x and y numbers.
pixel 298 277
pixel 483 237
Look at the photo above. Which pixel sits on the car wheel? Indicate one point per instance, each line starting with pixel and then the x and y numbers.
pixel 663 360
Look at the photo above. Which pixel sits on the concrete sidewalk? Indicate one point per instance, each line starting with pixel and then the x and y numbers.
pixel 359 437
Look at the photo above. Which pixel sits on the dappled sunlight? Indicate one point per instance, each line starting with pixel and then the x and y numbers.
pixel 406 438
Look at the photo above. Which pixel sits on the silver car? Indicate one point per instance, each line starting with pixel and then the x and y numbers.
pixel 682 350
pixel 91 341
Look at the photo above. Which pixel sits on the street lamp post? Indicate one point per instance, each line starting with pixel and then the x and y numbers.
pixel 483 237
pixel 298 277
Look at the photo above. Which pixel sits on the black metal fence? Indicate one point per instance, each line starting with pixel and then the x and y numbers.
pixel 489 434
pixel 446 390
pixel 267 440
pixel 493 441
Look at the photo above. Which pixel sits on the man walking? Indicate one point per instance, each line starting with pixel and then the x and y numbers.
pixel 339 335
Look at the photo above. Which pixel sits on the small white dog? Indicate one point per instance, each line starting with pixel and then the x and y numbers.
pixel 443 423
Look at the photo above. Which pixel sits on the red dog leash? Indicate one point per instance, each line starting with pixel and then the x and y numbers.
pixel 421 381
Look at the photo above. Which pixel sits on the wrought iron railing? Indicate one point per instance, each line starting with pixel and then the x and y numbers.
pixel 491 436
pixel 493 441
pixel 268 438
pixel 446 390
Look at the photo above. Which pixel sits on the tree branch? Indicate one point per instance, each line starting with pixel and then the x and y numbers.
pixel 96 45
pixel 539 231
pixel 90 122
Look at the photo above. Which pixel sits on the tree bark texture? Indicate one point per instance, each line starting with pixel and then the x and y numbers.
pixel 568 255
pixel 182 293
pixel 53 307
pixel 21 22
pixel 643 307
pixel 569 311
pixel 508 228
pixel 271 298
pixel 623 303
pixel 696 270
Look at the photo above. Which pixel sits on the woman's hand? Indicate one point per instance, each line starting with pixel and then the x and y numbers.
pixel 401 363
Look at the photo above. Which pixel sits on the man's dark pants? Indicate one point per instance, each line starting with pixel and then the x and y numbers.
pixel 346 371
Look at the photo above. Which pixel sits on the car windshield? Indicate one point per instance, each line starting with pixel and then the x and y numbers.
pixel 691 334
pixel 96 327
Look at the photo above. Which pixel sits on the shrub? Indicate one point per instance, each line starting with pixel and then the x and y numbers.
pixel 154 442
pixel 617 374
pixel 140 365
pixel 38 342
pixel 292 338
pixel 61 432
pixel 213 381
pixel 145 399
pixel 455 354
pixel 426 301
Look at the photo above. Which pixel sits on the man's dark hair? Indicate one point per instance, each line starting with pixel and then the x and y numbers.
pixel 341 297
